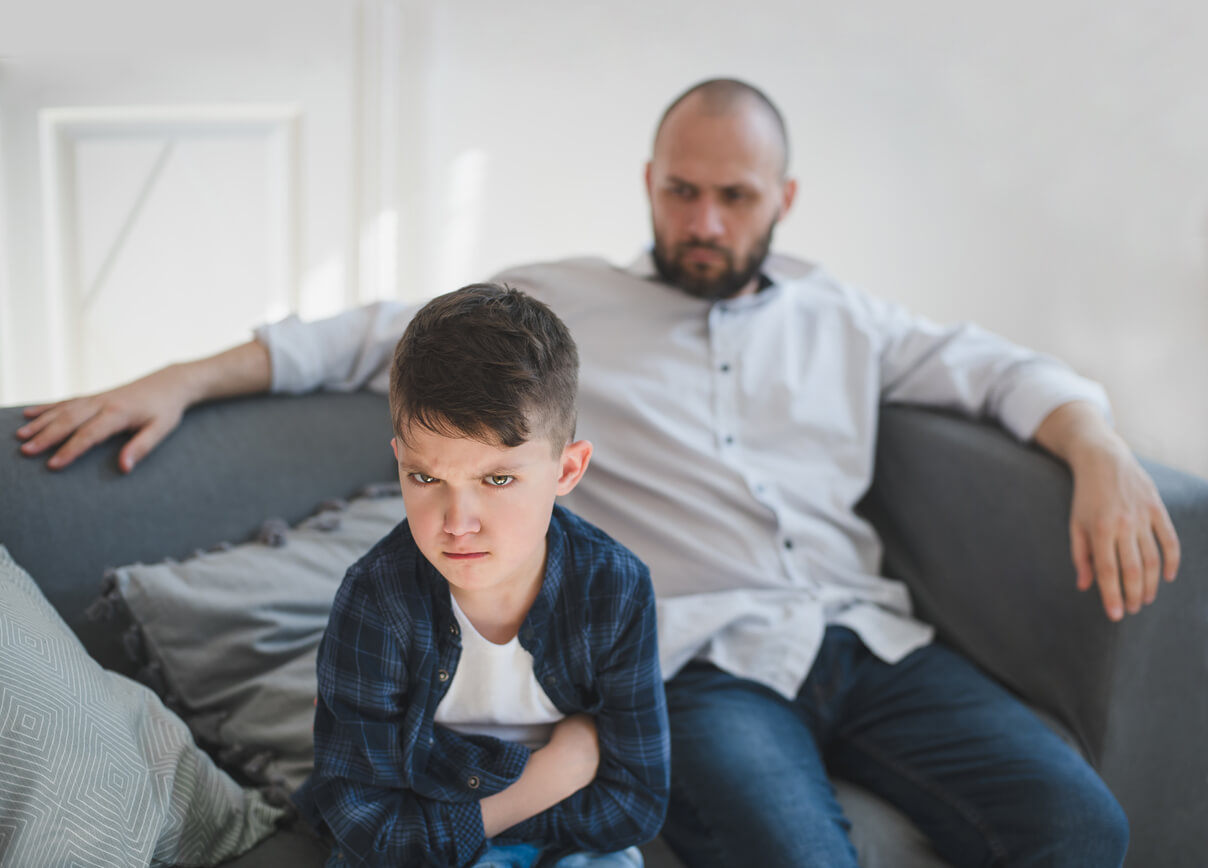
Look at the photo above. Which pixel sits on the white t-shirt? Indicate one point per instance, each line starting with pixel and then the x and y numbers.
pixel 494 691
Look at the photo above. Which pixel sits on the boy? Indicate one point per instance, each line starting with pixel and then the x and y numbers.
pixel 489 690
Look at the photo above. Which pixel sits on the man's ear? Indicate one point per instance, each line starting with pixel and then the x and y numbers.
pixel 575 457
pixel 649 179
pixel 788 192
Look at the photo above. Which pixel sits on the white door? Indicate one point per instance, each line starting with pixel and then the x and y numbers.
pixel 172 174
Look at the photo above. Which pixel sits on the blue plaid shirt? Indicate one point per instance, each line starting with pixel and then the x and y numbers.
pixel 396 789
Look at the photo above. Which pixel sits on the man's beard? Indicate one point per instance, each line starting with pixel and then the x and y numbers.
pixel 726 284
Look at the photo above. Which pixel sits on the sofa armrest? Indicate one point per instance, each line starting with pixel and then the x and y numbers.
pixel 977 526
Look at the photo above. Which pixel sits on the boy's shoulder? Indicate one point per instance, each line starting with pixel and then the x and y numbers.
pixel 593 555
pixel 390 569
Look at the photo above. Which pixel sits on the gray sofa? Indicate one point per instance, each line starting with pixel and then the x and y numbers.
pixel 975 523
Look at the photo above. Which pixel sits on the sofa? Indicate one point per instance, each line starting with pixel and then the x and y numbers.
pixel 975 523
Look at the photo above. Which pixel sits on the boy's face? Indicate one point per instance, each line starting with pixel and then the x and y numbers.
pixel 479 513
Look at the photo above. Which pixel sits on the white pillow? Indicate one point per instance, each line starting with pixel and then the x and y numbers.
pixel 94 770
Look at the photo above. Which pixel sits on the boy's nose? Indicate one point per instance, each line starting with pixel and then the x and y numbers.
pixel 461 515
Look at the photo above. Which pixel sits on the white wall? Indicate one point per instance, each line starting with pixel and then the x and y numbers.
pixel 1038 167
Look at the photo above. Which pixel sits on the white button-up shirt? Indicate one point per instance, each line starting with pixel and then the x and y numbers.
pixel 733 440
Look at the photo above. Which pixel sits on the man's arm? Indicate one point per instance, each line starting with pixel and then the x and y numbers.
pixel 151 407
pixel 1121 536
pixel 345 352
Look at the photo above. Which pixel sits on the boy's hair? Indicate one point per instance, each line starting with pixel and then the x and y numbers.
pixel 488 362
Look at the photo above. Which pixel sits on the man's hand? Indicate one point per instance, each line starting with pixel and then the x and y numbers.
pixel 1121 537
pixel 151 407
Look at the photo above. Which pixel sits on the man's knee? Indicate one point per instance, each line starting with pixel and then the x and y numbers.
pixel 1086 827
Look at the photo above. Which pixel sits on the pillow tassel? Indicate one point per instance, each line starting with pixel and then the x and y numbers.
pixel 110 606
pixel 273 533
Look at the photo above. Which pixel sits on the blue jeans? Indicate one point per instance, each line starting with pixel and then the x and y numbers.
pixel 529 855
pixel 975 770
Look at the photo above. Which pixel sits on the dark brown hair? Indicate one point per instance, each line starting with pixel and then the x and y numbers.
pixel 487 362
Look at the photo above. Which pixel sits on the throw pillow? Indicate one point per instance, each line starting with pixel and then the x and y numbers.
pixel 94 770
pixel 229 636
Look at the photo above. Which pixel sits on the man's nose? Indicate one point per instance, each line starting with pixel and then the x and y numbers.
pixel 706 220
pixel 461 514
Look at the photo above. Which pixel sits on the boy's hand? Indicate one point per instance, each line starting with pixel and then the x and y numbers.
pixel 578 747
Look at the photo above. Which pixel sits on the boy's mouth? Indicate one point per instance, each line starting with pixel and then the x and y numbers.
pixel 464 556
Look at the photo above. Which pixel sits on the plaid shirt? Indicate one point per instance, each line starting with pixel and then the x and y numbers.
pixel 396 789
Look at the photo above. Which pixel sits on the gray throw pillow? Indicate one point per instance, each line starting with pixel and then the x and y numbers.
pixel 94 770
pixel 229 636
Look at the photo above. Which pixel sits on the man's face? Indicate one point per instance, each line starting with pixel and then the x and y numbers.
pixel 479 513
pixel 716 192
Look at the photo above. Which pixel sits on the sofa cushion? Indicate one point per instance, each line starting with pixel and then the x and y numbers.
pixel 229 636
pixel 94 770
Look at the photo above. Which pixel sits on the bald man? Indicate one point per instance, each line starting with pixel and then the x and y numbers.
pixel 733 397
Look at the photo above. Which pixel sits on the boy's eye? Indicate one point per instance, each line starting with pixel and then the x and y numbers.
pixel 423 478
pixel 499 480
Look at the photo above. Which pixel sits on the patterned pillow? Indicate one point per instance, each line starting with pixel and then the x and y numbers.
pixel 229 637
pixel 94 770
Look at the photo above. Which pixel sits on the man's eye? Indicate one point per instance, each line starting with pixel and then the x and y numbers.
pixel 423 478
pixel 499 480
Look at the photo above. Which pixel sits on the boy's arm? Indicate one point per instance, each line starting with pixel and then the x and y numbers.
pixel 363 784
pixel 626 802
pixel 564 766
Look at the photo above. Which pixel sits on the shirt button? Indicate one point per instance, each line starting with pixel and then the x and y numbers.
pixel 725 367
pixel 550 680
pixel 472 782
pixel 729 439
pixel 788 543
pixel 453 629
pixel 442 675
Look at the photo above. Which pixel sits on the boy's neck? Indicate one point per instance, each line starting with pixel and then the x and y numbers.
pixel 497 613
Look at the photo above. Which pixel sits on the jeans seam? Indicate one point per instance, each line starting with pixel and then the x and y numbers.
pixel 998 850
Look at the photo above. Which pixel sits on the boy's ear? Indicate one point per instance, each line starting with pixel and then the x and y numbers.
pixel 575 457
pixel 394 447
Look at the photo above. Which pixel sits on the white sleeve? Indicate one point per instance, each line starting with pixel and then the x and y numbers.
pixel 349 351
pixel 967 368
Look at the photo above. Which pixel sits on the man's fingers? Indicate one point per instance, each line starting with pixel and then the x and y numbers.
pixel 1151 564
pixel 1132 577
pixel 53 428
pixel 1163 528
pixel 1107 574
pixel 141 443
pixel 39 409
pixel 1081 553
pixel 97 429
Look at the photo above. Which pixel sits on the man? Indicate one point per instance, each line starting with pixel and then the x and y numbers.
pixel 733 398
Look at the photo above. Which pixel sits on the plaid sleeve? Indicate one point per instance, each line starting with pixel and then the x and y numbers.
pixel 361 784
pixel 627 801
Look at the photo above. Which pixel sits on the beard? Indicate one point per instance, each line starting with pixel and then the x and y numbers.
pixel 734 276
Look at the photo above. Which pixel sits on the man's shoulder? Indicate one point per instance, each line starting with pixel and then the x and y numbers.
pixel 560 281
